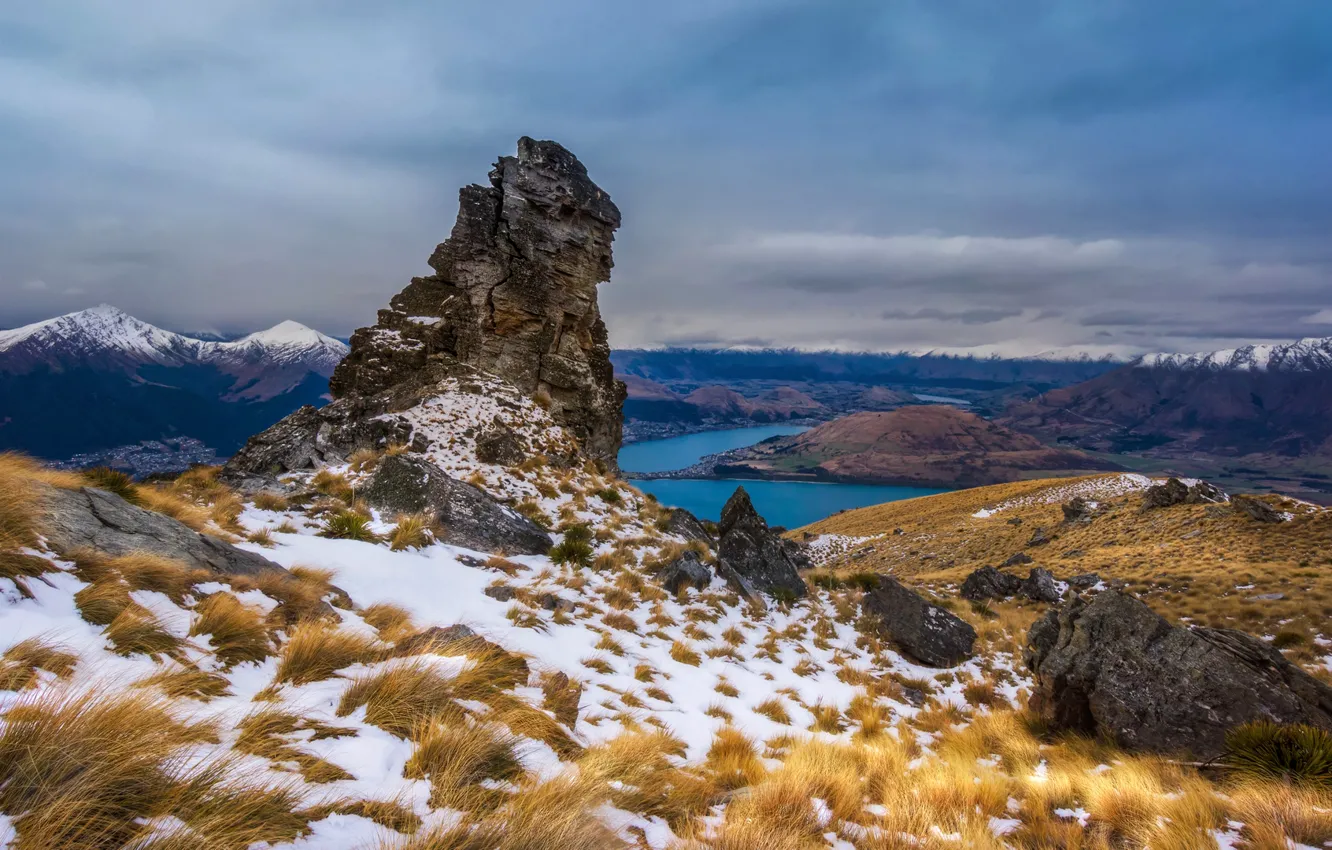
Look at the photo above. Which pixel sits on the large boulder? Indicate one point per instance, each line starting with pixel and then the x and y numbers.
pixel 499 444
pixel 99 520
pixel 989 583
pixel 928 633
pixel 682 522
pixel 749 549
pixel 1176 492
pixel 1040 586
pixel 468 516
pixel 1112 667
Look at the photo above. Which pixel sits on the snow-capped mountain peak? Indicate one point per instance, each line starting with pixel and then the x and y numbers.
pixel 1305 355
pixel 105 337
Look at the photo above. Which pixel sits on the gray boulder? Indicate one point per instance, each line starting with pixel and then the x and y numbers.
pixel 1040 586
pixel 989 583
pixel 1112 667
pixel 930 634
pixel 469 517
pixel 1255 509
pixel 103 521
pixel 681 522
pixel 688 570
pixel 1077 509
pixel 499 444
pixel 1085 581
pixel 1172 492
pixel 749 549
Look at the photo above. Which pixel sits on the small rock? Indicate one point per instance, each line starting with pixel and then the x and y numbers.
pixel 554 602
pixel 500 593
pixel 1017 520
pixel 1255 509
pixel 1203 492
pixel 928 633
pixel 1018 560
pixel 1083 581
pixel 562 697
pixel 1268 597
pixel 1074 553
pixel 499 444
pixel 1077 509
pixel 688 570
pixel 1039 537
pixel 989 583
pixel 898 531
pixel 433 638
pixel 1040 586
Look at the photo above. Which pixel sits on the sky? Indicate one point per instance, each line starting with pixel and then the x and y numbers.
pixel 1113 176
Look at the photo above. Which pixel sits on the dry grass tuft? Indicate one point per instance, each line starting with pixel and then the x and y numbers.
pixel 237 633
pixel 413 531
pixel 266 734
pixel 403 697
pixel 135 631
pixel 21 662
pixel 266 500
pixel 393 622
pixel 459 759
pixel 317 650
pixel 187 683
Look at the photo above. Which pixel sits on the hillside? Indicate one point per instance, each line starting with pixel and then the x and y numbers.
pixel 1203 563
pixel 133 381
pixel 924 445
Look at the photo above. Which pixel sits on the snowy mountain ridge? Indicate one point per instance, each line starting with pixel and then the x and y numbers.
pixel 107 332
pixel 1304 355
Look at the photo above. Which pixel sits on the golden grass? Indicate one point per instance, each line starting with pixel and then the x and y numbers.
pixel 458 759
pixel 685 654
pixel 1186 561
pixel 187 683
pixel 20 664
pixel 393 622
pixel 266 733
pixel 317 650
pixel 403 697
pixel 135 631
pixel 267 500
pixel 412 531
pixel 237 633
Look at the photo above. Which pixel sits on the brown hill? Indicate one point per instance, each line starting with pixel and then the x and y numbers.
pixel 924 445
pixel 1205 562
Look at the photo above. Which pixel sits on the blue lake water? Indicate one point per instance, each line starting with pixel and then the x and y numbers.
pixel 788 503
pixel 941 399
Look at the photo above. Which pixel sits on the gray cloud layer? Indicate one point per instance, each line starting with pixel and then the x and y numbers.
pixel 953 173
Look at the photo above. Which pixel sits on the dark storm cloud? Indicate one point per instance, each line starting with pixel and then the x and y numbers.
pixel 849 173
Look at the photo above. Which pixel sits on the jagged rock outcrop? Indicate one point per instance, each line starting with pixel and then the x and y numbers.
pixel 1040 585
pixel 1255 509
pixel 1078 509
pixel 688 526
pixel 499 444
pixel 1176 492
pixel 928 633
pixel 103 521
pixel 1113 667
pixel 989 583
pixel 467 516
pixel 750 550
pixel 514 296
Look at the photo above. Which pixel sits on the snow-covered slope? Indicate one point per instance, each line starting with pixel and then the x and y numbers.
pixel 1305 355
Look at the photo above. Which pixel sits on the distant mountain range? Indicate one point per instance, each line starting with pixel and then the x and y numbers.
pixel 1256 400
pixel 100 378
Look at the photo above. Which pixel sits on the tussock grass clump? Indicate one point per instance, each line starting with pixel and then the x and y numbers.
pixel 1293 753
pixel 575 548
pixel 412 531
pixel 393 622
pixel 21 662
pixel 533 511
pixel 685 654
pixel 18 567
pixel 172 504
pixel 237 633
pixel 504 565
pixel 267 500
pixel 403 697
pixel 457 759
pixel 113 481
pixel 363 460
pixel 265 734
pixel 102 601
pixel 262 537
pixel 349 525
pixel 316 650
pixel 333 484
pixel 135 631
pixel 187 683
pixel 775 710
pixel 82 768
pixel 733 760
pixel 299 600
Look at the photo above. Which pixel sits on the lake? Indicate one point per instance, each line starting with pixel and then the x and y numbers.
pixel 788 503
